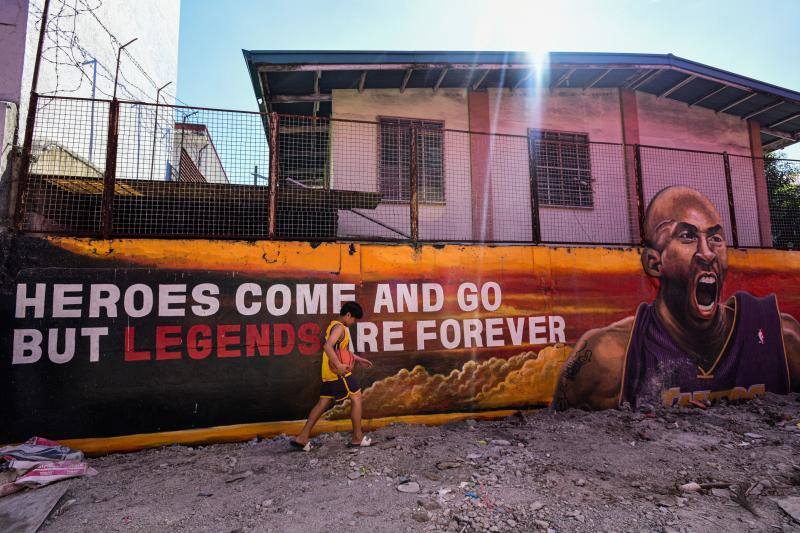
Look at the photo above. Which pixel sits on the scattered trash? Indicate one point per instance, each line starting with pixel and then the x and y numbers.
pixel 580 482
pixel 39 462
pixel 354 475
pixel 46 473
pixel 500 442
pixel 446 465
pixel 471 494
pixel 754 436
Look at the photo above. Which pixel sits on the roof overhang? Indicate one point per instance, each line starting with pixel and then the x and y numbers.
pixel 301 82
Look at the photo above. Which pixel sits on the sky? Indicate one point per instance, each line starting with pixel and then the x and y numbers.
pixel 752 38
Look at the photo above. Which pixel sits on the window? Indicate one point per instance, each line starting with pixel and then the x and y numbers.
pixel 395 160
pixel 562 167
pixel 303 152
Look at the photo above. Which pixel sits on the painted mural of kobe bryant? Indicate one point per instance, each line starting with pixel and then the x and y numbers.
pixel 686 345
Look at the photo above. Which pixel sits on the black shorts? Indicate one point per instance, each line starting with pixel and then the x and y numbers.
pixel 339 389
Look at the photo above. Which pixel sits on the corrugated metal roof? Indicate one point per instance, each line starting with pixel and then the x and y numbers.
pixel 301 82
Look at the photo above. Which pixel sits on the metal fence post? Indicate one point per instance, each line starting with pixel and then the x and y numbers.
pixel 731 205
pixel 639 192
pixel 110 176
pixel 536 228
pixel 274 171
pixel 30 123
pixel 413 186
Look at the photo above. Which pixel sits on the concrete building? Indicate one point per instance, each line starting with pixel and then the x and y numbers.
pixel 581 107
pixel 78 60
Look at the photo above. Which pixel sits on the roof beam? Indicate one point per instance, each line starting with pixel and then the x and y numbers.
pixel 564 77
pixel 406 77
pixel 779 143
pixel 439 80
pixel 263 84
pixel 763 109
pixel 298 98
pixel 641 81
pixel 736 102
pixel 525 77
pixel 362 81
pixel 317 78
pixel 677 86
pixel 794 137
pixel 708 95
pixel 477 84
pixel 784 120
pixel 597 78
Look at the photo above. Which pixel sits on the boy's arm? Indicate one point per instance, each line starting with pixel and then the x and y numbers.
pixel 363 360
pixel 330 342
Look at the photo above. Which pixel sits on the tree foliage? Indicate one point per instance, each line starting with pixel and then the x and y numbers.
pixel 783 186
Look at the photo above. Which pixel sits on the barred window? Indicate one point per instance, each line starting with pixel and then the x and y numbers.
pixel 562 166
pixel 395 159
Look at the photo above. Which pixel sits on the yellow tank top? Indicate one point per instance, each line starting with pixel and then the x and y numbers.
pixel 327 373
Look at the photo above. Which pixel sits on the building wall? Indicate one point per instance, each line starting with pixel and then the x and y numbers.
pixel 671 124
pixel 354 149
pixel 13 20
pixel 596 112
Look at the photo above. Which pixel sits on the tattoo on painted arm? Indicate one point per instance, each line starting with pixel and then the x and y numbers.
pixel 571 370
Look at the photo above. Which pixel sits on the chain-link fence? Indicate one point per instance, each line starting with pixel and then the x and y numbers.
pixel 120 168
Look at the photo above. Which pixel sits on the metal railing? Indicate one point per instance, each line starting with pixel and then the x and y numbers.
pixel 132 169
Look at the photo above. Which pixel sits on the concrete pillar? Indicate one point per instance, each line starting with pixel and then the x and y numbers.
pixel 480 153
pixel 629 116
pixel 762 196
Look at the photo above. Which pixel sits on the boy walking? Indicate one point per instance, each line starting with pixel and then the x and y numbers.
pixel 338 381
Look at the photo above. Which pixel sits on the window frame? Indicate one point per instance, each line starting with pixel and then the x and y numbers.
pixel 379 152
pixel 562 168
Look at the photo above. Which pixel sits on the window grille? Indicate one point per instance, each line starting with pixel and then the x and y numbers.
pixel 562 166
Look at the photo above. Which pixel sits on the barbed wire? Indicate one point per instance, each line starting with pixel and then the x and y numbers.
pixel 74 55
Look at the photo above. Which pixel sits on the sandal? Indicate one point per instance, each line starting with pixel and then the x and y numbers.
pixel 300 447
pixel 365 442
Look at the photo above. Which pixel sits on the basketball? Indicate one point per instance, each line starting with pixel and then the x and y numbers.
pixel 345 357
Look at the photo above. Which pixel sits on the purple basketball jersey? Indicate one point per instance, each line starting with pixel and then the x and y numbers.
pixel 752 362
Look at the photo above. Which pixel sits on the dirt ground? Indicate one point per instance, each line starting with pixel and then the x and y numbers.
pixel 573 471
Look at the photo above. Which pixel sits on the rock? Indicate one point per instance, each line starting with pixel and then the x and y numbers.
pixel 721 493
pixel 430 505
pixel 690 487
pixel 537 506
pixel 266 503
pixel 754 436
pixel 580 482
pixel 354 475
pixel 500 442
pixel 541 524
pixel 446 465
pixel 790 506
pixel 409 487
pixel 473 456
pixel 420 515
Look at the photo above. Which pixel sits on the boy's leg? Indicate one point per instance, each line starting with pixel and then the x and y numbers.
pixel 322 405
pixel 355 417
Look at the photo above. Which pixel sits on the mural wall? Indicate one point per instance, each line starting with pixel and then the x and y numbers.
pixel 104 338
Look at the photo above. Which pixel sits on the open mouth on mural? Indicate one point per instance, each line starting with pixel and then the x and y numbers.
pixel 706 290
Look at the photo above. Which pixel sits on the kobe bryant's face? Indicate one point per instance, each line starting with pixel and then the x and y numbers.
pixel 694 259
